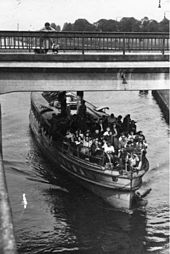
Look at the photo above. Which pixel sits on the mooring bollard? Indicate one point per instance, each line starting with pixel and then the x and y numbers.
pixel 7 238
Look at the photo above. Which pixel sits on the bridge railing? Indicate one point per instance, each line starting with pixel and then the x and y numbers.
pixel 85 41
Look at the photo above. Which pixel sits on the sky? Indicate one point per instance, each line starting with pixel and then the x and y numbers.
pixel 32 14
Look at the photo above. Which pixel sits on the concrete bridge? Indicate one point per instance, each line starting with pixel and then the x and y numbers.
pixel 86 61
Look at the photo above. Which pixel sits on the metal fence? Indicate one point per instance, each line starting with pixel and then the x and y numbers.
pixel 85 41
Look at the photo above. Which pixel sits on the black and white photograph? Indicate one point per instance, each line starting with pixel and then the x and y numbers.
pixel 84 126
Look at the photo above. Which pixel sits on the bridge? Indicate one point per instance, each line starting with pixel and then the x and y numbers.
pixel 86 61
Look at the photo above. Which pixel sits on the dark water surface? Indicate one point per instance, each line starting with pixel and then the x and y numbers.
pixel 62 217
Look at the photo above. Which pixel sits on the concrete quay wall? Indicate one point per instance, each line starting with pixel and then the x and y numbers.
pixel 7 238
pixel 162 98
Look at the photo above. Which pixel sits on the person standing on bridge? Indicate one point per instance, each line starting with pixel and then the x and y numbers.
pixel 50 42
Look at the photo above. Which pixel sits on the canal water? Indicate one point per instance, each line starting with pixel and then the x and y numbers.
pixel 62 217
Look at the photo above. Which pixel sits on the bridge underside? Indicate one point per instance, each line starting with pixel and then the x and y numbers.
pixel 86 76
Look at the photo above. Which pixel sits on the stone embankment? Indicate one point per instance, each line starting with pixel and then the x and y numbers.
pixel 162 98
pixel 7 237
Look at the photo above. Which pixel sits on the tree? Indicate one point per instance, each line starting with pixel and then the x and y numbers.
pixel 144 24
pixel 83 25
pixel 56 27
pixel 129 25
pixel 105 25
pixel 153 26
pixel 126 24
pixel 67 27
pixel 164 25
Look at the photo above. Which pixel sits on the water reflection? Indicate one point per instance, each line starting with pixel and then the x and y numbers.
pixel 97 227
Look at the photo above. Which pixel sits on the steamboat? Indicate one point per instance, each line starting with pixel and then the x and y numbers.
pixel 67 136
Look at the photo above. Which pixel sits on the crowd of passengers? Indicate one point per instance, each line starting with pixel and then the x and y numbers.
pixel 109 141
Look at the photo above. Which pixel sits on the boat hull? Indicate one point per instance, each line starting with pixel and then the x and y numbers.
pixel 115 198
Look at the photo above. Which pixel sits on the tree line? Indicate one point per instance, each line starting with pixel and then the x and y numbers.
pixel 126 24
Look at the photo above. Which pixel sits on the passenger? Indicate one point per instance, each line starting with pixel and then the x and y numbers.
pixel 140 135
pixel 97 154
pixel 109 151
pixel 95 147
pixel 134 161
pixel 82 117
pixel 145 145
pixel 74 123
pixel 123 158
pixel 108 148
pixel 111 121
pixel 129 147
pixel 119 125
pixel 78 140
pixel 98 145
pixel 133 126
pixel 100 126
pixel 82 110
pixel 69 136
pixel 114 137
pixel 107 133
pixel 62 100
pixel 87 133
pixel 131 136
pixel 68 112
pixel 140 140
pixel 87 142
pixel 122 141
pixel 81 135
pixel 78 144
pixel 138 147
pixel 105 123
pixel 104 145
pixel 126 123
pixel 68 99
pixel 96 134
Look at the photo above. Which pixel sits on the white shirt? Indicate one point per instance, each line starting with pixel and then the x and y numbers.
pixel 109 149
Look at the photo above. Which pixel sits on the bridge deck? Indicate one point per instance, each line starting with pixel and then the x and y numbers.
pixel 30 72
pixel 86 65
pixel 73 56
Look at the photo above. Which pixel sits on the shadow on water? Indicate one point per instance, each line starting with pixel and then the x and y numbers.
pixel 99 228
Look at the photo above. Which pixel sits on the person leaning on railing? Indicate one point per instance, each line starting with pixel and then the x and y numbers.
pixel 47 27
pixel 53 45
